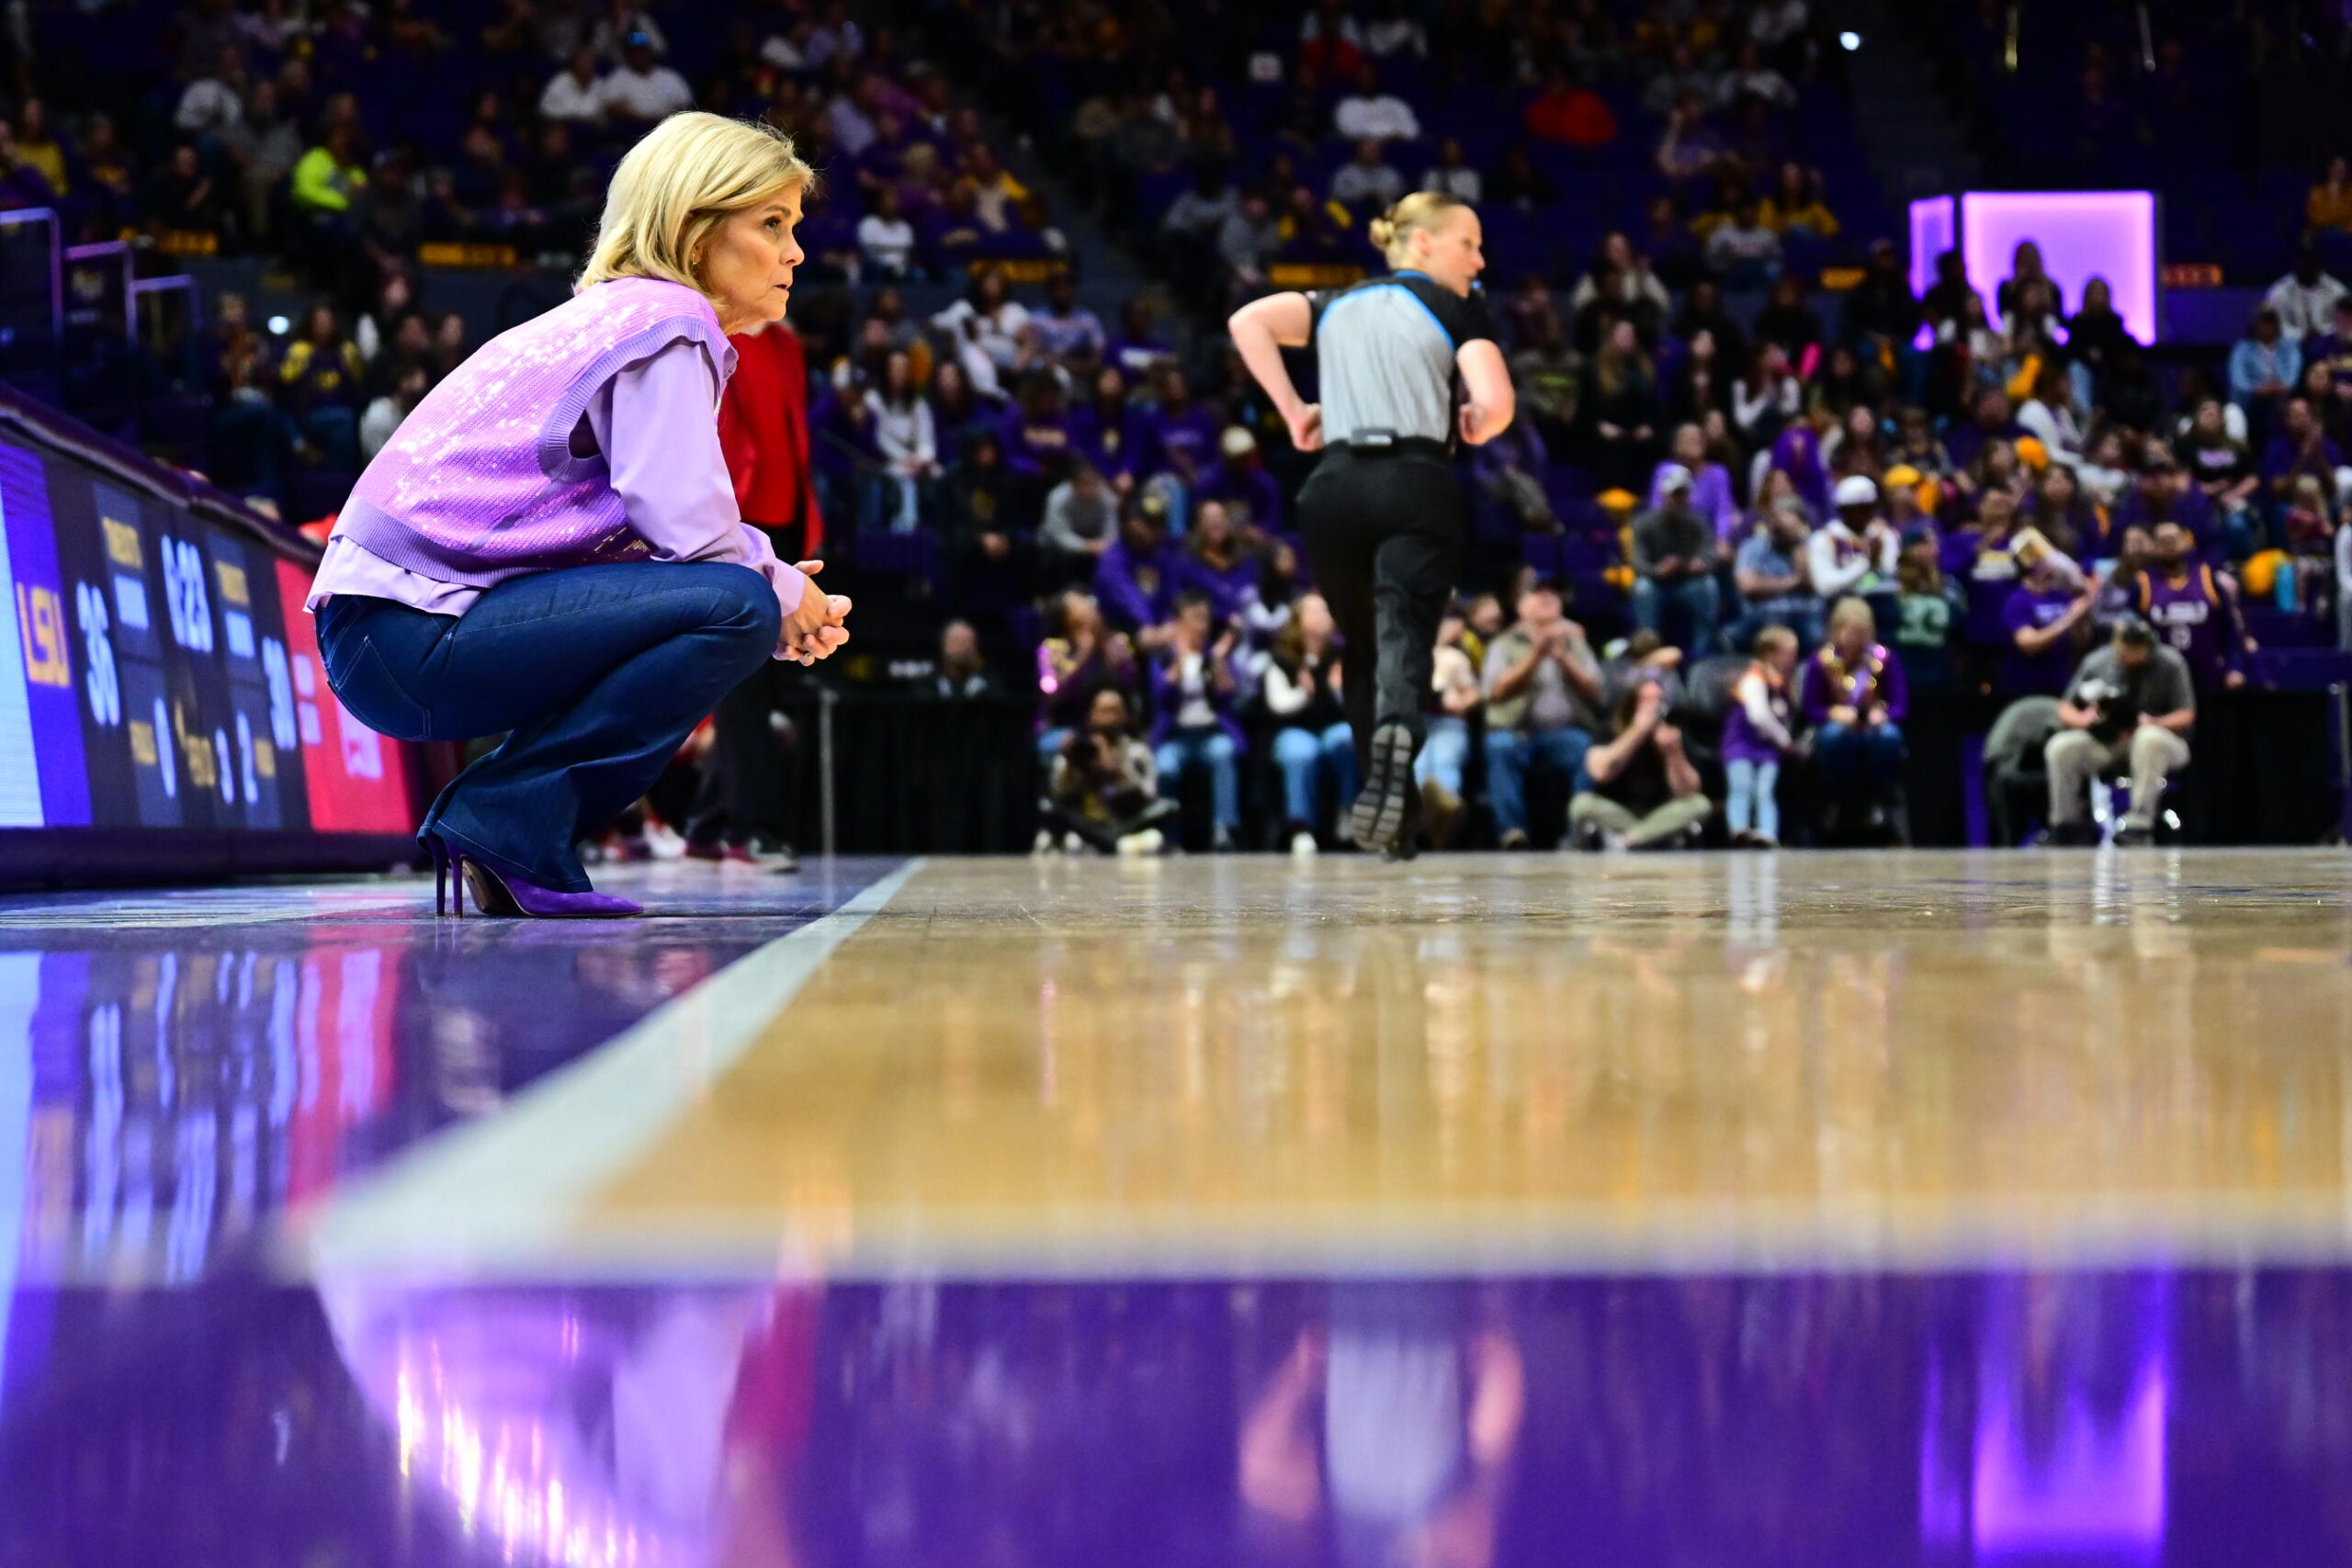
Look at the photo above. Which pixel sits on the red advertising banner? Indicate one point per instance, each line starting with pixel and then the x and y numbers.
pixel 357 780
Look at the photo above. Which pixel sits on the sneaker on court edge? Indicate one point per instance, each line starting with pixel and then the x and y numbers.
pixel 1380 810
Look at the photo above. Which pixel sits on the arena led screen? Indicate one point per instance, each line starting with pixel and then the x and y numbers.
pixel 2083 234
pixel 158 671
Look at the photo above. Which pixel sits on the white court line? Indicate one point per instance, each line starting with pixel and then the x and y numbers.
pixel 506 1189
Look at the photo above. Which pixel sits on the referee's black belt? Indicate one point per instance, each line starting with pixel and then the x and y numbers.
pixel 1381 444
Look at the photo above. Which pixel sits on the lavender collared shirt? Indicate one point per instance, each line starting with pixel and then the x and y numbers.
pixel 655 423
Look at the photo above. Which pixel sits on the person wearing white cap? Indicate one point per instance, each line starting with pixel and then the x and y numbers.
pixel 1240 478
pixel 1674 567
pixel 1855 551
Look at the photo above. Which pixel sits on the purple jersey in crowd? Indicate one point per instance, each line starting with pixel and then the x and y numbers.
pixel 1181 439
pixel 1035 444
pixel 1105 438
pixel 1250 491
pixel 1137 589
pixel 1230 590
pixel 2044 673
pixel 2191 615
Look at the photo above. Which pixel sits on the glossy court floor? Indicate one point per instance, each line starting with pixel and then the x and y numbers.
pixel 1815 1210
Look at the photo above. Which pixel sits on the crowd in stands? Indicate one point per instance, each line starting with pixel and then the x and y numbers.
pixel 1854 520
pixel 1241 147
pixel 1969 490
pixel 351 145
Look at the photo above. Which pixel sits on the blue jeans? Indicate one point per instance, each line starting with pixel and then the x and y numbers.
pixel 1302 755
pixel 1509 754
pixel 901 498
pixel 1695 602
pixel 598 673
pixel 1859 765
pixel 1750 802
pixel 1445 751
pixel 1210 749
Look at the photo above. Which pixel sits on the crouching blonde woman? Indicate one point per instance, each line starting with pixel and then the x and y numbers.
pixel 550 546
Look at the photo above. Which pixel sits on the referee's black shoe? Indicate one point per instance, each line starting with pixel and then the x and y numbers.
pixel 1406 844
pixel 1379 814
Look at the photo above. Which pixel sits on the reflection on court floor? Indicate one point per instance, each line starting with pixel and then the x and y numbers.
pixel 1777 1421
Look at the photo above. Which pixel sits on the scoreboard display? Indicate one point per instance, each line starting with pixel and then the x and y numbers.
pixel 158 671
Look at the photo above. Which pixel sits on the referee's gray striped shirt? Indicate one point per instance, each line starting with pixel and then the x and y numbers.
pixel 1385 352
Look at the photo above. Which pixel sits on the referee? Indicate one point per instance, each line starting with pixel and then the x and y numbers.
pixel 1407 363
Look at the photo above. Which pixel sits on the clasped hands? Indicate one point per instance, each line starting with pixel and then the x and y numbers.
pixel 814 629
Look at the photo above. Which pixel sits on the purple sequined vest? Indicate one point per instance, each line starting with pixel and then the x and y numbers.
pixel 480 484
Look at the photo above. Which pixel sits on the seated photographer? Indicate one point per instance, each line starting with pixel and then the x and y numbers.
pixel 1106 789
pixel 1645 794
pixel 2132 702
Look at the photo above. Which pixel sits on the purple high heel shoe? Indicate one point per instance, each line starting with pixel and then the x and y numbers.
pixel 511 896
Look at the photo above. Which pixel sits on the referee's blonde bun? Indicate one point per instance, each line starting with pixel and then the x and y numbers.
pixel 1393 230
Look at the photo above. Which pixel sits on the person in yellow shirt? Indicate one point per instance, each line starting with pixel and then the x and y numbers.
pixel 2329 205
pixel 999 200
pixel 327 178
pixel 1797 206
pixel 319 382
pixel 37 148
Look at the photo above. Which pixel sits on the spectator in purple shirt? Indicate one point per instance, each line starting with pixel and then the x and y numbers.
pixel 1219 564
pixel 1036 430
pixel 2065 517
pixel 1797 453
pixel 2048 622
pixel 1241 481
pixel 1711 491
pixel 1854 699
pixel 950 233
pixel 1994 421
pixel 1182 433
pixel 2299 447
pixel 2164 494
pixel 1104 429
pixel 1135 350
pixel 1136 579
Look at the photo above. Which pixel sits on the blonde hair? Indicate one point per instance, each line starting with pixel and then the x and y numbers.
pixel 1853 612
pixel 685 178
pixel 1773 639
pixel 1393 230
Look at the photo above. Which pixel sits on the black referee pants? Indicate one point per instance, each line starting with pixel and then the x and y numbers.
pixel 1382 533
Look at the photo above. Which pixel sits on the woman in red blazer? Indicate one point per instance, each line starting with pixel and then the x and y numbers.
pixel 763 425
pixel 747 804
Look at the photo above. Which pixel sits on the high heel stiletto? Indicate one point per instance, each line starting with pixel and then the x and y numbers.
pixel 495 893
pixel 500 894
